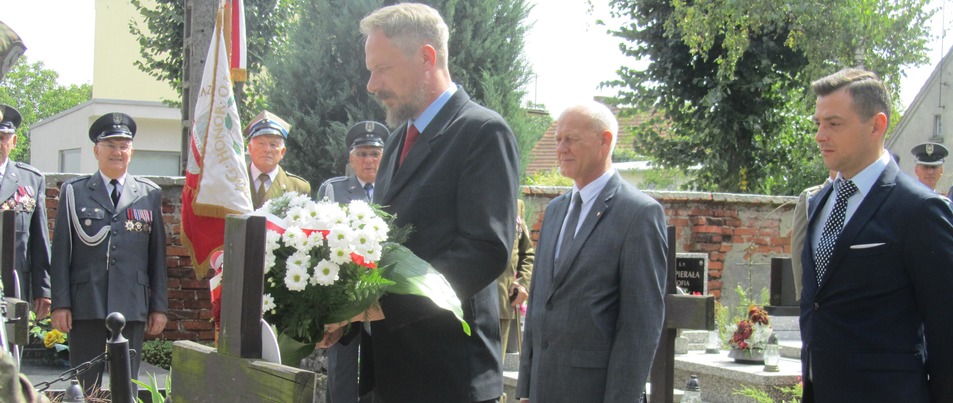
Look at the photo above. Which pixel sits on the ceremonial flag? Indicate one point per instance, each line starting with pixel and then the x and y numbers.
pixel 216 179
pixel 235 39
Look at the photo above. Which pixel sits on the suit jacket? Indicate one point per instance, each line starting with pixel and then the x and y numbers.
pixel 593 324
pixel 126 271
pixel 284 182
pixel 887 284
pixel 456 188
pixel 23 189
pixel 342 189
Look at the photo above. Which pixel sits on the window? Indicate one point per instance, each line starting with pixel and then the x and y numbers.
pixel 69 161
pixel 155 163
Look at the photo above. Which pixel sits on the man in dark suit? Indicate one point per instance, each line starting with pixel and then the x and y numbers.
pixel 366 143
pixel 596 302
pixel 108 251
pixel 450 171
pixel 876 323
pixel 266 145
pixel 23 190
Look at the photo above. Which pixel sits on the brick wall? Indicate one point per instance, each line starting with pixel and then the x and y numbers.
pixel 736 231
pixel 740 233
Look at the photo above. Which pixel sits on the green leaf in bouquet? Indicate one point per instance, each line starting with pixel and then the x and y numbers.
pixel 365 294
pixel 293 351
pixel 414 276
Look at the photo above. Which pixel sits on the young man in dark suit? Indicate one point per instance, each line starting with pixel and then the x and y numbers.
pixel 597 297
pixel 876 323
pixel 109 252
pixel 450 171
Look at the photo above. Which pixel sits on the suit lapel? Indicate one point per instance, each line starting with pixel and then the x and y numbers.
pixel 865 211
pixel 354 189
pixel 418 154
pixel 385 172
pixel 130 193
pixel 97 192
pixel 10 182
pixel 549 236
pixel 278 186
pixel 592 218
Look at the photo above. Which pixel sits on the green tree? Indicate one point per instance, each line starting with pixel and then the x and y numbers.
pixel 318 81
pixel 33 91
pixel 728 81
pixel 160 36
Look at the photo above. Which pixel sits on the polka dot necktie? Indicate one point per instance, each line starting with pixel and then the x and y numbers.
pixel 833 227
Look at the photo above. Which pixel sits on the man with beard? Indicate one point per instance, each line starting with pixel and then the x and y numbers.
pixel 450 171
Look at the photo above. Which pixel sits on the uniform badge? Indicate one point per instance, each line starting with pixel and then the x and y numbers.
pixel 117 118
pixel 369 126
pixel 130 226
pixel 929 149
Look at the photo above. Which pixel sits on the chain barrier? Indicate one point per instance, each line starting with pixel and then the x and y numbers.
pixel 79 370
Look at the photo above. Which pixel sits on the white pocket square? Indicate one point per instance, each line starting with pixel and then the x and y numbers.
pixel 867 245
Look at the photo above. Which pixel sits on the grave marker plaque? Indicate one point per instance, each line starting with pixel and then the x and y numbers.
pixel 691 273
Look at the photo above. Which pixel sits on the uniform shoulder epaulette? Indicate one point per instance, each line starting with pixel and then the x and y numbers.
pixel 29 167
pixel 335 179
pixel 295 176
pixel 146 182
pixel 78 178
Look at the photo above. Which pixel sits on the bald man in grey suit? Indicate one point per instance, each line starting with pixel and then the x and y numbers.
pixel 596 302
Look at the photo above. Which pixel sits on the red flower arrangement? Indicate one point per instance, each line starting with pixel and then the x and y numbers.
pixel 753 332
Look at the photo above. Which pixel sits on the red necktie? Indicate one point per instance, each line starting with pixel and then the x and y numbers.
pixel 412 134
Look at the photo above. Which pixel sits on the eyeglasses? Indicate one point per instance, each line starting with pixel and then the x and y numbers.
pixel 117 147
pixel 365 154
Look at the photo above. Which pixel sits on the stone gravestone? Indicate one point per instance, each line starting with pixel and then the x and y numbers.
pixel 681 312
pixel 235 372
pixel 783 297
pixel 691 273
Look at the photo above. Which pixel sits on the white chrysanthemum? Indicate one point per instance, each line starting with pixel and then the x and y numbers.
pixel 378 225
pixel 271 240
pixel 270 261
pixel 295 215
pixel 365 240
pixel 267 303
pixel 325 273
pixel 296 279
pixel 294 237
pixel 359 212
pixel 299 200
pixel 299 259
pixel 331 214
pixel 372 253
pixel 340 255
pixel 341 236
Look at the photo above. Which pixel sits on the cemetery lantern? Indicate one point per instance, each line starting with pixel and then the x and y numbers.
pixel 772 355
pixel 693 393
pixel 713 344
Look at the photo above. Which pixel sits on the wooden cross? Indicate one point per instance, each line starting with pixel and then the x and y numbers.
pixel 235 372
pixel 681 312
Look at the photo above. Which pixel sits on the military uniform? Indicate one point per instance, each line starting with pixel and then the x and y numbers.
pixel 281 182
pixel 108 259
pixel 23 190
pixel 519 271
pixel 284 182
pixel 343 356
